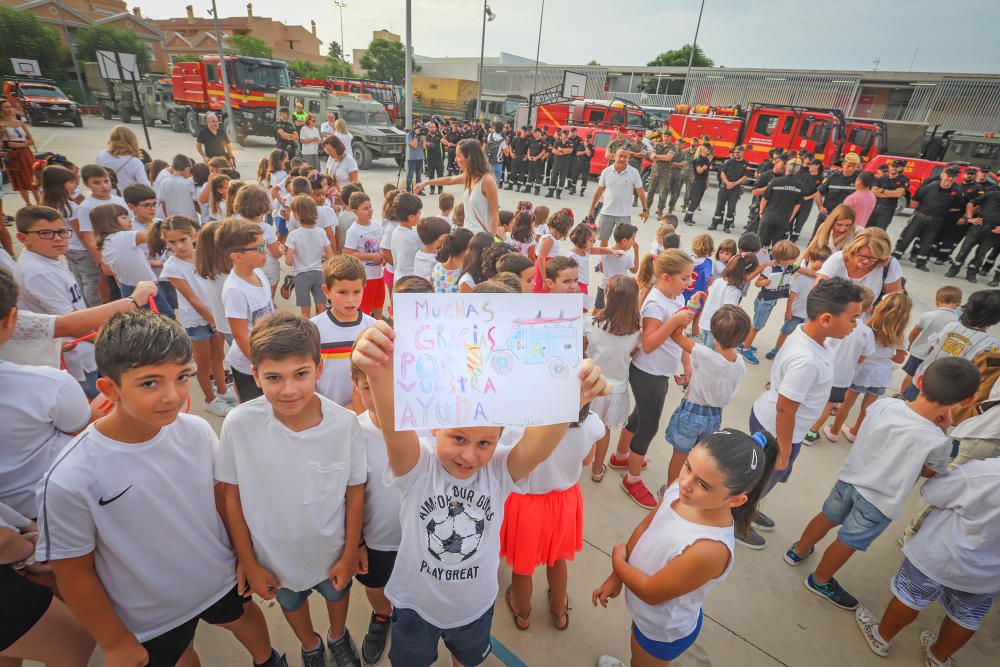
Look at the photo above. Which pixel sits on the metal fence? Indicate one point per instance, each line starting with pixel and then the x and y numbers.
pixel 964 104
pixel 648 99
pixel 520 79
pixel 716 87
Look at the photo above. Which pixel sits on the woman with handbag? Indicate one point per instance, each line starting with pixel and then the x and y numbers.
pixel 19 161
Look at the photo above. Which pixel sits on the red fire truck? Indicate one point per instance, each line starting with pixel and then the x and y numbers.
pixel 868 138
pixel 253 87
pixel 582 112
pixel 381 91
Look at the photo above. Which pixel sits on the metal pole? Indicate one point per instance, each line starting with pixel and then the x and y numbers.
pixel 687 75
pixel 538 50
pixel 227 119
pixel 482 52
pixel 72 54
pixel 408 82
pixel 136 98
pixel 343 50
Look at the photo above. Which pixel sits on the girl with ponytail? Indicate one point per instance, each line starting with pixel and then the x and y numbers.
pixel 728 291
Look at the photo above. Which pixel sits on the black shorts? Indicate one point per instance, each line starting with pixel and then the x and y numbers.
pixel 380 564
pixel 22 605
pixel 167 649
pixel 837 394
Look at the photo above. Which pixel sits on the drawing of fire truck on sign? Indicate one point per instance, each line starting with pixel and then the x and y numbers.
pixel 540 340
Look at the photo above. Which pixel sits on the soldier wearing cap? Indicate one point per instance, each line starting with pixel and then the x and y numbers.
pixel 955 226
pixel 688 171
pixel 518 167
pixel 838 186
pixel 780 202
pixel 888 188
pixel 811 178
pixel 583 154
pixel 934 201
pixel 982 215
pixel 537 153
pixel 732 175
pixel 983 178
pixel 562 151
pixel 778 161
pixel 659 175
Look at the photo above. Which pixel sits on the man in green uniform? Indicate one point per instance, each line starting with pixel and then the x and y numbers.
pixel 677 171
pixel 637 151
pixel 659 176
pixel 688 171
pixel 619 141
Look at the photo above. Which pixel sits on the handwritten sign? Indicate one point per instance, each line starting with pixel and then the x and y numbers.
pixel 487 359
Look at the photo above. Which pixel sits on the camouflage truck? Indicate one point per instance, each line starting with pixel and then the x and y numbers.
pixel 156 100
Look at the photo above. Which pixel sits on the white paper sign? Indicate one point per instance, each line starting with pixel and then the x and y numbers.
pixel 487 359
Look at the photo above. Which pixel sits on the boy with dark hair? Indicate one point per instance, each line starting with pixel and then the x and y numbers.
pixel 897 444
pixel 344 285
pixel 947 305
pixel 446 204
pixel 562 275
pixel 144 470
pixel 405 242
pixel 363 241
pixel 622 260
pixel 801 378
pixel 295 498
pixel 431 232
pixel 142 202
pixel 95 286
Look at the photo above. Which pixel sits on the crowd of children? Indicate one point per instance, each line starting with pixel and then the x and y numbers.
pixel 206 258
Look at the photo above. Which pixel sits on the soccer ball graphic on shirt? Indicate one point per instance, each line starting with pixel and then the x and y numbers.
pixel 454 532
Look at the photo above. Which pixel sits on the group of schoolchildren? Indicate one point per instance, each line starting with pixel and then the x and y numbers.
pixel 422 523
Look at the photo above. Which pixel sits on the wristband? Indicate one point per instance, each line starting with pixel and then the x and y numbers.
pixel 134 302
pixel 24 564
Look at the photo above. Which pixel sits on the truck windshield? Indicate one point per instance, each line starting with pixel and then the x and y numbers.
pixel 250 75
pixel 384 95
pixel 378 119
pixel 41 92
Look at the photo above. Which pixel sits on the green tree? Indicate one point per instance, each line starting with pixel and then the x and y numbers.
pixel 679 58
pixel 22 35
pixel 335 51
pixel 103 38
pixel 250 46
pixel 593 63
pixel 386 61
pixel 187 58
pixel 310 70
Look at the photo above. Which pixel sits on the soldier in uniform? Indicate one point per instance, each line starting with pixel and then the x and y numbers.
pixel 983 220
pixel 699 167
pixel 518 167
pixel 537 154
pixel 659 174
pixel 581 164
pixel 983 178
pixel 955 227
pixel 619 141
pixel 688 171
pixel 780 202
pixel 889 187
pixel 637 151
pixel 508 136
pixel 677 172
pixel 935 201
pixel 777 169
pixel 562 151
pixel 451 139
pixel 733 174
pixel 811 179
pixel 837 186
pixel 434 165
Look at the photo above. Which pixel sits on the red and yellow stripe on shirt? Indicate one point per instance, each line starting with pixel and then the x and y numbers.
pixel 336 350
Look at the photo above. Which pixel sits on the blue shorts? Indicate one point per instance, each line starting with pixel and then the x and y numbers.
pixel 874 391
pixel 860 522
pixel 761 311
pixel 838 394
pixel 791 324
pixel 911 392
pixel 911 365
pixel 281 225
pixel 200 332
pixel 667 650
pixel 89 384
pixel 415 641
pixel 291 600
pixel 690 423
pixel 778 475
pixel 917 591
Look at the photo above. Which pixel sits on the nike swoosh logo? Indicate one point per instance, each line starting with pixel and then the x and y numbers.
pixel 102 502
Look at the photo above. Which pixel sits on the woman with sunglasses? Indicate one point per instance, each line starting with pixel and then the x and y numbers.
pixel 866 260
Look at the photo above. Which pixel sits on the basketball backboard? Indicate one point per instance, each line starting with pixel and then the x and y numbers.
pixel 118 66
pixel 25 67
pixel 574 84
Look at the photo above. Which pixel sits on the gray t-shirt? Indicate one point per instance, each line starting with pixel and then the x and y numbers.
pixel 411 152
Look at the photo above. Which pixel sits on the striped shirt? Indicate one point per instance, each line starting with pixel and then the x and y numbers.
pixel 336 340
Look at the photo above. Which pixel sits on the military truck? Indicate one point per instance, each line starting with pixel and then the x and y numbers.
pixel 374 135
pixel 155 97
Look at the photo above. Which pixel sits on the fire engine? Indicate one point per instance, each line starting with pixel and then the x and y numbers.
pixel 381 91
pixel 868 138
pixel 253 87
pixel 582 112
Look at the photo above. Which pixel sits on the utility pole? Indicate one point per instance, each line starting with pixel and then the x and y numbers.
pixel 487 15
pixel 72 53
pixel 538 51
pixel 408 82
pixel 227 119
pixel 694 48
pixel 340 4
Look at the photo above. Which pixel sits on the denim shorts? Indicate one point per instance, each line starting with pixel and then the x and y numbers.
pixel 911 365
pixel 874 391
pixel 917 591
pixel 667 651
pixel 761 311
pixel 690 423
pixel 791 324
pixel 291 600
pixel 860 522
pixel 415 641
pixel 911 392
pixel 200 332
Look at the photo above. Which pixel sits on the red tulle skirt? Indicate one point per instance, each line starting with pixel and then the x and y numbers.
pixel 540 529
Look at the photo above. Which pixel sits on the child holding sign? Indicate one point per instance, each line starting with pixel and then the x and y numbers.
pixel 456 483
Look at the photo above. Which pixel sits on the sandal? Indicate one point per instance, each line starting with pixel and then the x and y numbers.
pixel 560 621
pixel 597 477
pixel 520 622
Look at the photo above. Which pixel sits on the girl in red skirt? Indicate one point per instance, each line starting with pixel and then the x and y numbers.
pixel 544 525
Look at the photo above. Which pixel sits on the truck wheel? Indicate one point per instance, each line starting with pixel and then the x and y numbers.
pixel 362 155
pixel 125 114
pixel 176 122
pixel 78 121
pixel 106 113
pixel 192 123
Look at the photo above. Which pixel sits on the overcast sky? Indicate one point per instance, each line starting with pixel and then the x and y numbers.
pixel 846 34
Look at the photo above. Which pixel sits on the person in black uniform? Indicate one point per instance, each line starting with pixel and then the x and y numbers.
pixel 562 150
pixel 983 178
pixel 548 165
pixel 574 140
pixel 699 182
pixel 779 203
pixel 285 136
pixel 812 176
pixel 768 164
pixel 888 189
pixel 581 164
pixel 451 139
pixel 508 136
pixel 518 167
pixel 837 187
pixel 537 153
pixel 982 215
pixel 732 177
pixel 955 227
pixel 777 161
pixel 934 201
pixel 434 152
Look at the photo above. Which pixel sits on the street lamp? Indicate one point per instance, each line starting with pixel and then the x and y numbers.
pixel 340 4
pixel 229 127
pixel 488 15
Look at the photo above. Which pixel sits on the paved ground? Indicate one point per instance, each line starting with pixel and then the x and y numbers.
pixel 760 617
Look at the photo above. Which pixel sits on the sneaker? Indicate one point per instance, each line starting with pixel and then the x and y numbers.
pixel 752 540
pixel 793 558
pixel 772 354
pixel 315 657
pixel 616 463
pixel 849 434
pixel 276 660
pixel 868 625
pixel 230 395
pixel 639 494
pixel 763 522
pixel 927 639
pixel 610 661
pixel 810 438
pixel 375 639
pixel 831 591
pixel 219 407
pixel 830 435
pixel 287 286
pixel 750 356
pixel 343 651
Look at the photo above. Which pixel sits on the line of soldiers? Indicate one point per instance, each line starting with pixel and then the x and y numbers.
pixel 534 160
pixel 455 132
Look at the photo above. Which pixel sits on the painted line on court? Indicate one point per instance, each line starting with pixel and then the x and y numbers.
pixel 505 655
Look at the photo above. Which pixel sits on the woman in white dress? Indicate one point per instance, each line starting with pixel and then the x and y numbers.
pixel 480 196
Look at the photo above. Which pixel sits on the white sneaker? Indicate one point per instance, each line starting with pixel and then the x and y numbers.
pixel 219 407
pixel 868 625
pixel 610 661
pixel 230 396
pixel 927 638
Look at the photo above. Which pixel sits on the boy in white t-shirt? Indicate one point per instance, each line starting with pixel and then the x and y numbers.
pixel 344 284
pixel 798 294
pixel 896 445
pixel 127 513
pixel 293 466
pixel 405 242
pixel 620 263
pixel 446 204
pixel 801 379
pixel 947 307
pixel 177 193
pixel 96 178
pixel 461 475
pixel 142 203
pixel 431 232
pixel 306 247
pixel 364 242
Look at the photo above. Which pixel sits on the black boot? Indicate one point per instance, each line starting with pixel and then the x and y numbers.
pixel 953 271
pixel 971 276
pixel 558 194
pixel 995 282
pixel 510 186
pixel 551 192
pixel 921 265
pixel 582 190
pixel 714 225
pixel 689 218
pixel 538 189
